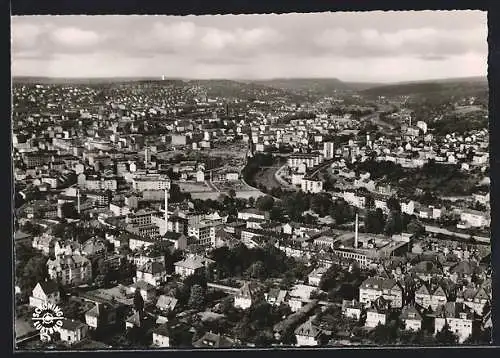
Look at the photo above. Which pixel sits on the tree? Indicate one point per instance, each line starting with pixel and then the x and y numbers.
pixel 415 227
pixel 265 203
pixel 68 210
pixel 196 297
pixel 374 221
pixel 251 201
pixel 370 202
pixel 446 336
pixel 393 204
pixel 35 271
pixel 257 270
pixel 394 223
pixel 138 301
pixel 341 212
pixel 232 193
pixel 321 204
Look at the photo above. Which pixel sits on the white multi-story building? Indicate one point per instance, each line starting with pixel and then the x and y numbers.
pixel 314 277
pixel 474 218
pixel 204 233
pixel 192 265
pixel 310 185
pixel 425 299
pixel 151 182
pixel 70 270
pixel 153 273
pixel 307 334
pixel 458 317
pixel 328 150
pixel 247 295
pixel 373 288
pixel 374 318
pixel 352 198
pixel 411 318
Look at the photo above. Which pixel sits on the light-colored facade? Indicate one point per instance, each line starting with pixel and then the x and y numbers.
pixel 373 288
pixel 44 293
pixel 70 270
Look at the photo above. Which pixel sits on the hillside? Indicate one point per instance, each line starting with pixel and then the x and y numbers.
pixel 465 86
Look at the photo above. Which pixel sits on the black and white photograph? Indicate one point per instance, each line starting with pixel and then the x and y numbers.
pixel 251 181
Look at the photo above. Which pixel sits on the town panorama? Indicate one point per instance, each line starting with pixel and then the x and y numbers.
pixel 183 213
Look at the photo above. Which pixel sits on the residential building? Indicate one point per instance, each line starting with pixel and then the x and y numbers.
pixel 307 334
pixel 72 331
pixel 411 318
pixel 161 336
pixel 70 270
pixel 192 265
pixel 248 294
pixel 153 273
pixel 457 316
pixel 45 292
pixel 374 287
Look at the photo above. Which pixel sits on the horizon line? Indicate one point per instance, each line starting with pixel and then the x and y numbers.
pixel 159 78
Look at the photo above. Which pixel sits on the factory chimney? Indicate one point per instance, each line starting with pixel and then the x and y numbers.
pixel 166 209
pixel 78 200
pixel 356 233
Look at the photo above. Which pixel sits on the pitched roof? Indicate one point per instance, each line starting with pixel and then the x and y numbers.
pixel 439 292
pixel 143 285
pixel 165 302
pixel 153 268
pixel 71 325
pixel 453 310
pixel 213 340
pixel 379 283
pixel 464 268
pixel 410 312
pixel 49 286
pixel 307 329
pixel 194 262
pixel 162 330
pixel 426 267
pixel 20 235
pixel 249 290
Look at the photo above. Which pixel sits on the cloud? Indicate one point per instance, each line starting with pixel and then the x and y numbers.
pixel 74 37
pixel 412 41
pixel 25 36
pixel 365 45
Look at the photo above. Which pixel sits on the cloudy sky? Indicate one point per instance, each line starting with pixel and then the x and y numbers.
pixel 371 46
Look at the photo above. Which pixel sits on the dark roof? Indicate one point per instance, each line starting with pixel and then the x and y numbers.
pixel 152 267
pixel 49 286
pixel 410 312
pixel 453 310
pixel 71 325
pixel 308 329
pixel 213 340
pixel 20 235
pixel 162 330
pixel 380 283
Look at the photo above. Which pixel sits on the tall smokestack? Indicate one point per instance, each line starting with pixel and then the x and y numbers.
pixel 166 209
pixel 356 233
pixel 78 200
